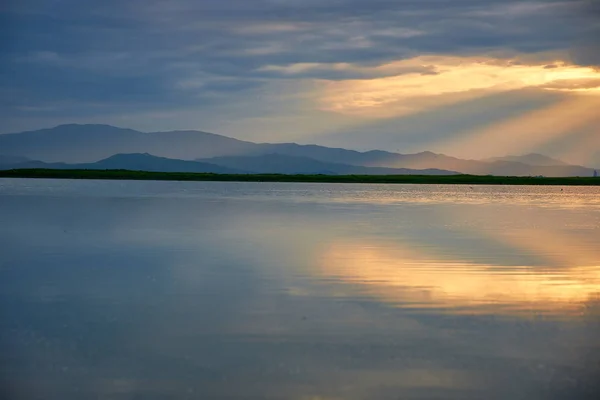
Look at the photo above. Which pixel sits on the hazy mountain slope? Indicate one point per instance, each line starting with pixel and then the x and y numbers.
pixel 135 162
pixel 189 145
pixel 89 143
pixel 76 143
pixel 70 143
pixel 285 164
pixel 272 163
pixel 531 159
pixel 425 160
pixel 320 153
pixel 502 168
pixel 147 162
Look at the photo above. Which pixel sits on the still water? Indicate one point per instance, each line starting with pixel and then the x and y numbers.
pixel 209 290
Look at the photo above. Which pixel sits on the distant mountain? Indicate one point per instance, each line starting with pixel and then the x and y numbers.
pixel 147 162
pixel 531 159
pixel 272 163
pixel 89 143
pixel 285 164
pixel 134 162
pixel 475 167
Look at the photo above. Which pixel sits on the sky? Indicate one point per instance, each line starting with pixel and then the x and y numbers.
pixel 468 78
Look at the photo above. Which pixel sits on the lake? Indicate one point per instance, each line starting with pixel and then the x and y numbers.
pixel 214 290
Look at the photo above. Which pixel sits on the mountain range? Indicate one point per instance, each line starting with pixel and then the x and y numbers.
pixel 267 164
pixel 531 159
pixel 108 147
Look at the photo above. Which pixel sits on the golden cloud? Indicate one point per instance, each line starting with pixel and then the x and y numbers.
pixel 454 78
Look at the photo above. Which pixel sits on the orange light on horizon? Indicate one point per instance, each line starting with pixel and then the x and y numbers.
pixel 528 131
pixel 402 88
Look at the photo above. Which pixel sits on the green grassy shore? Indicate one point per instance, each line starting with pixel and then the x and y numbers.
pixel 184 176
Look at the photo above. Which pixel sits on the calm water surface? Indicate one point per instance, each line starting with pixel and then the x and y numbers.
pixel 156 290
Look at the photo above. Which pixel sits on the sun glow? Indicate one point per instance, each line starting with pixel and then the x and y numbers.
pixel 525 132
pixel 441 79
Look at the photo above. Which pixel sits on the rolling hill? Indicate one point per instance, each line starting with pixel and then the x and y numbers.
pixel 285 164
pixel 269 164
pixel 85 144
pixel 134 162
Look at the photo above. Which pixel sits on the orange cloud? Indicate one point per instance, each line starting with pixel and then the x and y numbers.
pixel 458 77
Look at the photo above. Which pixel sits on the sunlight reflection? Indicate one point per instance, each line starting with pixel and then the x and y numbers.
pixel 550 241
pixel 559 248
pixel 408 278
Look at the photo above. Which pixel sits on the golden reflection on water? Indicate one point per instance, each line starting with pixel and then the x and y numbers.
pixel 407 278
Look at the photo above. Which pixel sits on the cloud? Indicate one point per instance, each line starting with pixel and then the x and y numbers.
pixel 346 71
pixel 471 76
pixel 69 61
pixel 574 85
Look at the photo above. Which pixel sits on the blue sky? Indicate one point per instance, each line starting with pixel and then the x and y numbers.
pixel 465 77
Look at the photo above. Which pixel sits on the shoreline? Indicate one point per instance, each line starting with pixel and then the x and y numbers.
pixel 375 179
